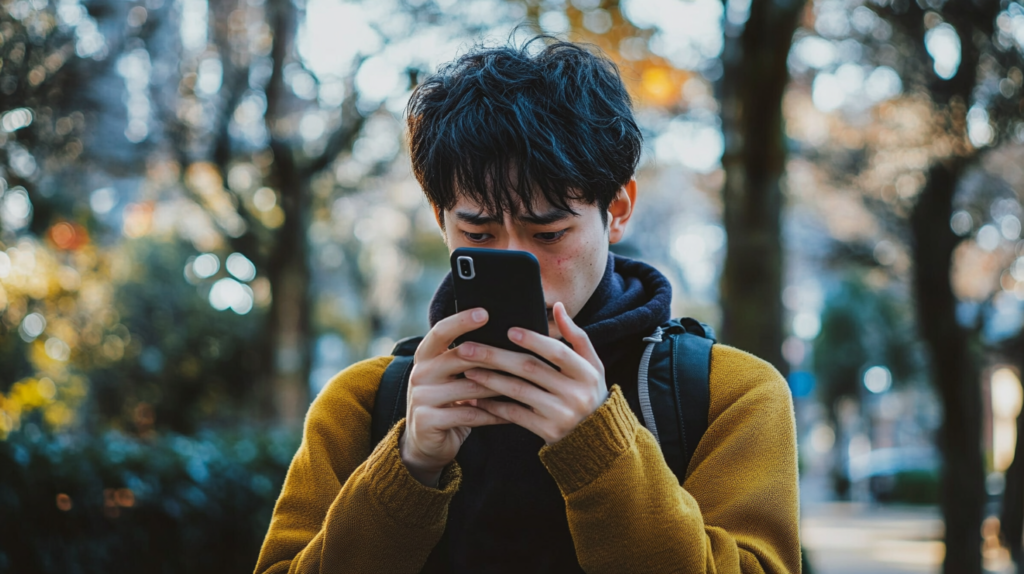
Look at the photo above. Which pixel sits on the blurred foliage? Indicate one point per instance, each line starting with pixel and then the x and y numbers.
pixel 230 135
pixel 111 503
pixel 190 363
pixel 863 325
pixel 912 487
pixel 127 321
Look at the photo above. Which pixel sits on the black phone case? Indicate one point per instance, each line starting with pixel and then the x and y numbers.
pixel 507 284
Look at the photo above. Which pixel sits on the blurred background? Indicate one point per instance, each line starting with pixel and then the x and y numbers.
pixel 207 210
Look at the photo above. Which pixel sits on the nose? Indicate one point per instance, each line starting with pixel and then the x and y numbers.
pixel 516 243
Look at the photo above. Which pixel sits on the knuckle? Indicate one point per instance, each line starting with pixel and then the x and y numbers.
pixel 561 353
pixel 516 391
pixel 415 374
pixel 419 399
pixel 470 416
pixel 570 405
pixel 511 415
pixel 565 414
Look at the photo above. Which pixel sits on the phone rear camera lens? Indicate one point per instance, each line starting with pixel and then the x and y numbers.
pixel 466 270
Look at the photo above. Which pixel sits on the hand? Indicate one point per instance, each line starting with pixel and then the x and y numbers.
pixel 441 408
pixel 556 401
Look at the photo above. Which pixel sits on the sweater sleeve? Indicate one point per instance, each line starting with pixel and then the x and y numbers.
pixel 738 509
pixel 344 508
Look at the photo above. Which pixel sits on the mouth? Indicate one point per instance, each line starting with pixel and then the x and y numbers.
pixel 551 314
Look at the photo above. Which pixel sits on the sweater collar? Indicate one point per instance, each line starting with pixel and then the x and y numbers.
pixel 631 300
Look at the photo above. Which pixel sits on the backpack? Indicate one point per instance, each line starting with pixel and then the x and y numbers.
pixel 672 384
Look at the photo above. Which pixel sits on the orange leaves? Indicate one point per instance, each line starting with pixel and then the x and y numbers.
pixel 68 236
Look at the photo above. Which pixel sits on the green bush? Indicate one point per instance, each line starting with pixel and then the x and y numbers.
pixel 915 487
pixel 111 503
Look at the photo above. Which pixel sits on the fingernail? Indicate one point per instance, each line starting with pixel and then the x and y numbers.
pixel 466 350
pixel 515 334
pixel 479 315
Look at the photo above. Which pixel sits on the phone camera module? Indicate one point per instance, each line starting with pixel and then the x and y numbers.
pixel 465 267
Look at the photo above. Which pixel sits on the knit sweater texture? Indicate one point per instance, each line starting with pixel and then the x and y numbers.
pixel 344 508
pixel 602 499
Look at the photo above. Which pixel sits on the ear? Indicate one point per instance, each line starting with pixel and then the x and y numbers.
pixel 620 210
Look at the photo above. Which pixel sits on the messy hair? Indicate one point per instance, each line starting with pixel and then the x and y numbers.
pixel 506 125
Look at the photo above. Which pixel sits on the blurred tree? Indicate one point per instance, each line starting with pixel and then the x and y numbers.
pixel 931 165
pixel 266 135
pixel 47 55
pixel 52 273
pixel 955 365
pixel 259 195
pixel 862 326
pixel 750 94
pixel 185 364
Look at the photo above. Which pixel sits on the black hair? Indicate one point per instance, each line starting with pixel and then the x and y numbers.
pixel 503 124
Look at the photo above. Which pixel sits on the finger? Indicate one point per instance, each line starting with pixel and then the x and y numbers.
pixel 439 395
pixel 516 414
pixel 575 335
pixel 569 362
pixel 519 364
pixel 440 370
pixel 443 334
pixel 445 418
pixel 513 388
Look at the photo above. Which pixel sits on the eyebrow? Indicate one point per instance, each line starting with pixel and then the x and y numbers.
pixel 480 218
pixel 475 218
pixel 553 216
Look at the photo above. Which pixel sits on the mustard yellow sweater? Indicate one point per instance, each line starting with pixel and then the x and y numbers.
pixel 344 508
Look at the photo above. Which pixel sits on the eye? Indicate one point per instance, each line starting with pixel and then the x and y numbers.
pixel 476 237
pixel 550 236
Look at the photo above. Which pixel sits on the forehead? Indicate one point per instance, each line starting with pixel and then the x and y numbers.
pixel 538 204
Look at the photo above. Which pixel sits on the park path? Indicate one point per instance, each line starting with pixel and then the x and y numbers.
pixel 856 538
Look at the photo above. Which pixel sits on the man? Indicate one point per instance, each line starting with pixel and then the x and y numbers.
pixel 535 150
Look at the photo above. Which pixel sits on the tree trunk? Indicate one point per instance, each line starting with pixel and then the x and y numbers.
pixel 751 90
pixel 953 366
pixel 288 330
pixel 288 325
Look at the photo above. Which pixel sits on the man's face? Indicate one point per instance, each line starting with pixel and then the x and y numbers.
pixel 572 249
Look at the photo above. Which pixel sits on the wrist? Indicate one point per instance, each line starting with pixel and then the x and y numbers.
pixel 424 473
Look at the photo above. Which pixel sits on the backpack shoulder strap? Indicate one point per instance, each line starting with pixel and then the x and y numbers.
pixel 673 388
pixel 389 406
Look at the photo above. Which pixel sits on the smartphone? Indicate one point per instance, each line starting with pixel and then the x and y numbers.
pixel 507 284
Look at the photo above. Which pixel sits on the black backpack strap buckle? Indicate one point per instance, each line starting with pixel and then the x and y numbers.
pixel 673 389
